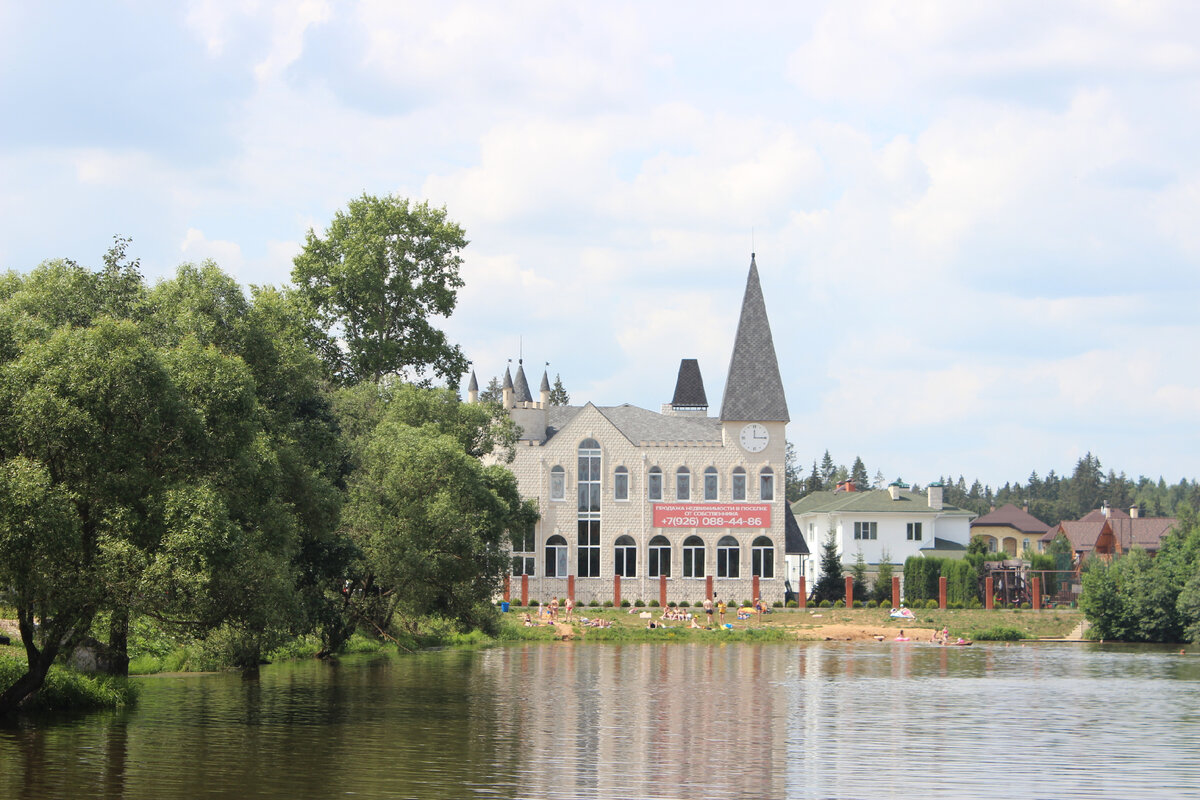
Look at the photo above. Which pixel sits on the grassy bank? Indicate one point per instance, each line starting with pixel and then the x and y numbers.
pixel 65 689
pixel 795 624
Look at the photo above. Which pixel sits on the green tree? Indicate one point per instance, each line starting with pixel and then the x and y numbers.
pixel 828 470
pixel 832 584
pixel 385 268
pixel 558 393
pixel 881 591
pixel 858 474
pixel 859 571
pixel 493 392
pixel 792 478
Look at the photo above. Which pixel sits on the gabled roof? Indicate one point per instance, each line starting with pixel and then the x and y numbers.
pixel 1144 532
pixel 793 537
pixel 1009 516
pixel 1082 534
pixel 877 501
pixel 753 388
pixel 689 386
pixel 639 425
pixel 1098 514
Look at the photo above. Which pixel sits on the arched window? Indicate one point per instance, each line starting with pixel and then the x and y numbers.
pixel 739 483
pixel 762 557
pixel 588 546
pixel 558 483
pixel 556 557
pixel 693 557
pixel 683 484
pixel 766 484
pixel 654 484
pixel 659 557
pixel 625 563
pixel 710 483
pixel 728 558
pixel 621 484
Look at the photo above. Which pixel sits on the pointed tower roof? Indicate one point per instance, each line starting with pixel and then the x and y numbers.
pixel 508 384
pixel 689 386
pixel 520 385
pixel 545 387
pixel 753 388
pixel 473 386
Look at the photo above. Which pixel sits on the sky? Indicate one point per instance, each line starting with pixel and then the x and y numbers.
pixel 975 223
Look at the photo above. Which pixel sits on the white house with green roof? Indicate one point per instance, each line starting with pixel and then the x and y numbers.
pixel 895 520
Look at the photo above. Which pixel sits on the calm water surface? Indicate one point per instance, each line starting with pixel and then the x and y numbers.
pixel 656 721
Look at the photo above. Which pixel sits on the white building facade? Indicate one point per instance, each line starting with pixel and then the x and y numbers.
pixel 673 504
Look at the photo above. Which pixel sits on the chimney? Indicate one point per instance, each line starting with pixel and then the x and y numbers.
pixel 894 489
pixel 1104 508
pixel 934 492
pixel 1133 512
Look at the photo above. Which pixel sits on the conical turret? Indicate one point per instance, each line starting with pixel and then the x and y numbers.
pixel 753 388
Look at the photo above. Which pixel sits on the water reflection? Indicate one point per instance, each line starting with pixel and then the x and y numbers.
pixel 674 721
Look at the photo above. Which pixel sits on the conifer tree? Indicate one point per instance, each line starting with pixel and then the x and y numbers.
pixel 831 585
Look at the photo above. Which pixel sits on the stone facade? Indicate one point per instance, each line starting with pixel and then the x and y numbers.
pixel 634 442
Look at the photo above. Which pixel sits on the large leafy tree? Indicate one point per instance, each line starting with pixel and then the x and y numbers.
pixel 384 270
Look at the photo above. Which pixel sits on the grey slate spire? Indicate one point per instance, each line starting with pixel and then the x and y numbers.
pixel 520 385
pixel 753 388
pixel 689 386
pixel 473 386
pixel 508 384
pixel 545 387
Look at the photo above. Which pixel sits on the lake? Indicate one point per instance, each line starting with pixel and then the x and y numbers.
pixel 576 720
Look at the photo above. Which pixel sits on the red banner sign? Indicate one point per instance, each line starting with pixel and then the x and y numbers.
pixel 712 515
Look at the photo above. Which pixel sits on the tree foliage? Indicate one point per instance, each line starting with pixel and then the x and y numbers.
pixel 832 584
pixel 558 393
pixel 384 270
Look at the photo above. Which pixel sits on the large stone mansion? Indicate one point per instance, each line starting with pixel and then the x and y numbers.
pixel 670 505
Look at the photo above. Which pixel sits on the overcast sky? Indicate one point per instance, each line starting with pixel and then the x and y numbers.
pixel 977 225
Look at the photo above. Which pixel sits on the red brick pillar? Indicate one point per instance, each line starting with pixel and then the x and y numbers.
pixel 616 591
pixel 942 592
pixel 802 595
pixel 662 590
pixel 895 591
pixel 507 580
pixel 1037 592
pixel 571 588
pixel 849 591
pixel 708 587
pixel 989 591
pixel 524 590
pixel 754 588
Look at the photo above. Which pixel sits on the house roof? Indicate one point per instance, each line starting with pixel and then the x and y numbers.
pixel 1144 532
pixel 945 544
pixel 876 501
pixel 639 425
pixel 1009 516
pixel 753 388
pixel 1082 534
pixel 689 386
pixel 794 544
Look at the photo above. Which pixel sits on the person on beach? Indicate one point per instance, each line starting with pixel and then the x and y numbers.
pixel 721 611
pixel 708 610
pixel 570 607
pixel 758 609
pixel 554 608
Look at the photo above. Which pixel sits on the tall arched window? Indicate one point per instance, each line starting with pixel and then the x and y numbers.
pixel 556 557
pixel 693 557
pixel 683 484
pixel 739 483
pixel 654 484
pixel 762 557
pixel 710 483
pixel 588 546
pixel 766 484
pixel 558 483
pixel 625 561
pixel 621 484
pixel 728 558
pixel 659 557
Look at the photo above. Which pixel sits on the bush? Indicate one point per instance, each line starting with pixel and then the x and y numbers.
pixel 684 604
pixel 870 604
pixel 594 604
pixel 625 604
pixel 608 604
pixel 792 604
pixel 533 603
pixel 998 634
pixel 974 602
pixel 954 604
pixel 654 604
pixel 747 604
pixel 858 603
pixel 777 604
pixel 640 604
pixel 839 604
pixel 1026 606
pixel 931 603
pixel 826 604
pixel 670 604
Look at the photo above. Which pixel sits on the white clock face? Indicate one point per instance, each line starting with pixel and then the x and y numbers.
pixel 755 438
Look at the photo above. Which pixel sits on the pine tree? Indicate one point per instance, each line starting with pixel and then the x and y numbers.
pixel 813 483
pixel 858 474
pixel 558 394
pixel 880 480
pixel 494 393
pixel 828 469
pixel 859 571
pixel 831 585
pixel 881 592
pixel 791 469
